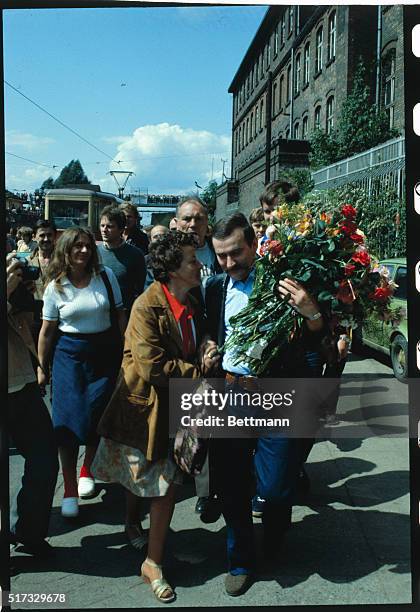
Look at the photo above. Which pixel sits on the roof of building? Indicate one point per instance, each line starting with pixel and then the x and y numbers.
pixel 265 27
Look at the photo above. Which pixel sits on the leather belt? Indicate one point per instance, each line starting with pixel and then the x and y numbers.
pixel 249 383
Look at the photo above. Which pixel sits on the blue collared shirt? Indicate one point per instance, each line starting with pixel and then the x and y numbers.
pixel 237 296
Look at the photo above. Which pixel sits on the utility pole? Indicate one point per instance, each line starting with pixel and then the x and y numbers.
pixel 224 161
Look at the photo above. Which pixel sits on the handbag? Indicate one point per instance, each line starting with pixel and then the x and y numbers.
pixel 190 448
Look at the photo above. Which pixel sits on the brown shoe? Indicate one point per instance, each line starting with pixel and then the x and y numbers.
pixel 236 585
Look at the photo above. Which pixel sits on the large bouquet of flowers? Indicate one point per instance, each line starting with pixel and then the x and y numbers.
pixel 327 254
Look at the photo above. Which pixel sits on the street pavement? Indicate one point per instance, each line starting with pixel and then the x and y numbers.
pixel 349 543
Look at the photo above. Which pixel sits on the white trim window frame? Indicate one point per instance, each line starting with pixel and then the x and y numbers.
pixel 319 49
pixel 332 36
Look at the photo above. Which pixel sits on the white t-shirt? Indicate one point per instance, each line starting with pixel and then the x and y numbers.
pixel 81 311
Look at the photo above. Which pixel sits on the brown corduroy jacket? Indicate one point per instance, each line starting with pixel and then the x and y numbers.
pixel 137 414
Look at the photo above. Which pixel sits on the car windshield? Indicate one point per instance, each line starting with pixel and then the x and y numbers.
pixel 401 280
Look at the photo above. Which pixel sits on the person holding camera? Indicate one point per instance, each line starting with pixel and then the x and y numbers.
pixel 30 425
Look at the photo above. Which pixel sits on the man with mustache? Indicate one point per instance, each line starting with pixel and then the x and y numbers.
pixel 277 460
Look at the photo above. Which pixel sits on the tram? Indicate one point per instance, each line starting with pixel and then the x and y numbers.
pixel 69 207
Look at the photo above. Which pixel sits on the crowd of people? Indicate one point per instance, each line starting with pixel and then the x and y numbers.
pixel 103 328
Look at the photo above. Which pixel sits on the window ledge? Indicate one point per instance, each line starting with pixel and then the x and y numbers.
pixel 316 75
pixel 296 94
pixel 330 61
pixel 305 86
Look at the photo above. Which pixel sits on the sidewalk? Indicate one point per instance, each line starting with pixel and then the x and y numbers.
pixel 349 544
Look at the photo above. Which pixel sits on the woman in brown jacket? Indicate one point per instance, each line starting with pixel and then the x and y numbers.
pixel 161 342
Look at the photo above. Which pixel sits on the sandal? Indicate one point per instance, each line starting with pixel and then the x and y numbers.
pixel 139 540
pixel 159 585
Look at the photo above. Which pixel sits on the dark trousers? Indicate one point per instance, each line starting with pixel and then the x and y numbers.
pixel 32 432
pixel 234 483
pixel 278 462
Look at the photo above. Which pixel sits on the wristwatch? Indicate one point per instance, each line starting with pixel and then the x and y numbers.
pixel 314 317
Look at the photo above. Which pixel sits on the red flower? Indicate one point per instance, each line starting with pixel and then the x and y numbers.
pixel 265 247
pixel 349 212
pixel 349 269
pixel 344 293
pixel 361 257
pixel 357 238
pixel 348 227
pixel 381 294
pixel 276 247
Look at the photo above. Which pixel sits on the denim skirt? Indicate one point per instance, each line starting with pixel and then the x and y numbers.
pixel 84 374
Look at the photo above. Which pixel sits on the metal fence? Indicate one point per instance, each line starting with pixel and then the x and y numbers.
pixel 377 178
pixel 375 169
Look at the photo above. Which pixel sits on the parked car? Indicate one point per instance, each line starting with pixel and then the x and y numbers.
pixel 383 337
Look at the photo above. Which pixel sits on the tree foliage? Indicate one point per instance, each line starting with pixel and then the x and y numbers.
pixel 208 195
pixel 72 174
pixel 360 126
pixel 300 177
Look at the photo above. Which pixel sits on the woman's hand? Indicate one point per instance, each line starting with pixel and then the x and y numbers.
pixel 42 380
pixel 211 357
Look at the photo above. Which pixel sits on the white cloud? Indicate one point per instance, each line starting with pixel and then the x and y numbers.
pixel 28 141
pixel 115 139
pixel 28 179
pixel 170 158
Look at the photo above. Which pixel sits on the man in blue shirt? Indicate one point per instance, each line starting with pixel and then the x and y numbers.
pixel 277 460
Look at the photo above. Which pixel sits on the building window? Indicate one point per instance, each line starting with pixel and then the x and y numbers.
pixel 267 61
pixel 281 91
pixel 262 118
pixel 239 139
pixel 388 85
pixel 243 135
pixel 317 118
pixel 297 73
pixel 276 41
pixel 287 134
pixel 296 131
pixel 282 29
pixel 305 127
pixel 306 63
pixel 261 66
pixel 256 74
pixel 289 84
pixel 330 114
pixel 247 85
pixel 331 35
pixel 269 52
pixel 236 142
pixel 291 18
pixel 247 131
pixel 257 118
pixel 318 56
pixel 274 100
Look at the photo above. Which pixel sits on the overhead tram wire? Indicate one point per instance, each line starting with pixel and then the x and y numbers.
pixel 31 160
pixel 60 122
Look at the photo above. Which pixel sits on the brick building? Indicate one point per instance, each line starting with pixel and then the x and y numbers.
pixel 294 77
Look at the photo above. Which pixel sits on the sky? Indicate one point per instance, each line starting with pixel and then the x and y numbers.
pixel 146 86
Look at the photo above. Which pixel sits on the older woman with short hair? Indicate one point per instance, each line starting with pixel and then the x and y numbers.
pixel 161 342
pixel 83 323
